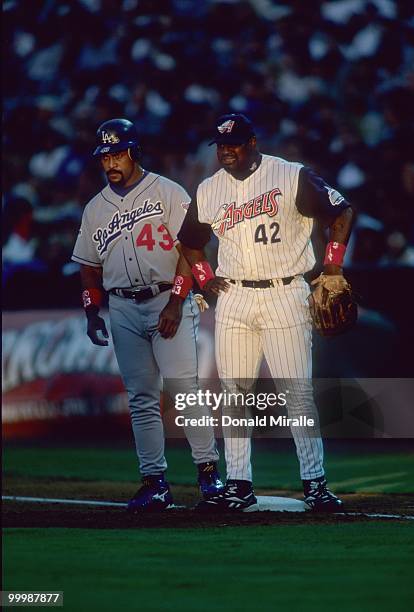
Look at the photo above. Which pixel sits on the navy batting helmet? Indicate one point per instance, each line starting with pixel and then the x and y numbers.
pixel 117 135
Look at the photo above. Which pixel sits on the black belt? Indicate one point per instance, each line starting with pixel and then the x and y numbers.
pixel 262 284
pixel 140 295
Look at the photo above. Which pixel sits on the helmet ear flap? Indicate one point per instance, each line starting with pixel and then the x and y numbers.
pixel 134 153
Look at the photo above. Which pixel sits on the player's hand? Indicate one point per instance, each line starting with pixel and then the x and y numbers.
pixel 97 324
pixel 216 285
pixel 170 317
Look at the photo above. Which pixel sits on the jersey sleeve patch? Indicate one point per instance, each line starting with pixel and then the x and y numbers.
pixel 316 199
pixel 334 196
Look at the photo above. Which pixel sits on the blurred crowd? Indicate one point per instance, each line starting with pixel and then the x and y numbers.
pixel 330 84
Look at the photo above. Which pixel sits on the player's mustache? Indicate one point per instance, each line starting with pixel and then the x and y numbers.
pixel 113 172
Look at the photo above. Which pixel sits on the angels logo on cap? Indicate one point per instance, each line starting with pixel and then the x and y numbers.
pixel 234 128
pixel 225 127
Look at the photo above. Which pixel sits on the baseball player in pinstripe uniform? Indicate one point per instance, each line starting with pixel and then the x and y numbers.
pixel 262 209
pixel 127 245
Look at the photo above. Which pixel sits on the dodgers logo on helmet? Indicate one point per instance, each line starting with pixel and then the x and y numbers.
pixel 109 138
pixel 117 135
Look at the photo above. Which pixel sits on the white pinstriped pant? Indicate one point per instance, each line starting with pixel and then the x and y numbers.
pixel 276 323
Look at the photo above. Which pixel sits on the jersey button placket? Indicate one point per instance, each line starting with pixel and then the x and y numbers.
pixel 246 246
pixel 241 199
pixel 131 259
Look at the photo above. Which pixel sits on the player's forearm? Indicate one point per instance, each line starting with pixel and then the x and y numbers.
pixel 340 229
pixel 339 232
pixel 183 281
pixel 91 277
pixel 193 256
pixel 201 270
pixel 183 266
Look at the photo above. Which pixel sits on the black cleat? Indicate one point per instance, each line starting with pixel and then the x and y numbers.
pixel 319 498
pixel 237 495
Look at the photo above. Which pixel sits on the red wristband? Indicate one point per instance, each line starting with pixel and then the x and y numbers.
pixel 202 272
pixel 334 254
pixel 91 297
pixel 182 286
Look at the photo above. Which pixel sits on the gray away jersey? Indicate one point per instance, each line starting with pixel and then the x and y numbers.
pixel 261 233
pixel 132 237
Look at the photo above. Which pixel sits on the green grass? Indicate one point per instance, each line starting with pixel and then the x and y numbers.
pixel 358 567
pixel 347 567
pixel 347 471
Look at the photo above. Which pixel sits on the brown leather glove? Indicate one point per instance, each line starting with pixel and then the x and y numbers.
pixel 332 305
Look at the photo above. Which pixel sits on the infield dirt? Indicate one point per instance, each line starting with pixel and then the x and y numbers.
pixel 27 514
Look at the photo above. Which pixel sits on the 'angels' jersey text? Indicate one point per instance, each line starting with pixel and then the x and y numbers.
pixel 265 203
pixel 258 247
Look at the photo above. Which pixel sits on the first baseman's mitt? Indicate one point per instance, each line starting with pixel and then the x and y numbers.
pixel 332 305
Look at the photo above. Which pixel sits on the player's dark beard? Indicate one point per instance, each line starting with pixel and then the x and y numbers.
pixel 127 176
pixel 113 172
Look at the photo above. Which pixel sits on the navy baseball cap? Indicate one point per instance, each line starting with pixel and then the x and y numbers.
pixel 233 128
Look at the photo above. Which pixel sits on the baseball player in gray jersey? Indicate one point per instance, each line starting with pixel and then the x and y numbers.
pixel 262 209
pixel 127 245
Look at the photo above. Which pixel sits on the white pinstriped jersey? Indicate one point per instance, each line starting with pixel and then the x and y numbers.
pixel 261 233
pixel 264 224
pixel 132 236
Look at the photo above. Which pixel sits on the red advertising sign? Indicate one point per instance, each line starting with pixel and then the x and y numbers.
pixel 53 374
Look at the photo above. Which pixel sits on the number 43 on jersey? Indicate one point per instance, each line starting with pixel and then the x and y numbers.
pixel 162 237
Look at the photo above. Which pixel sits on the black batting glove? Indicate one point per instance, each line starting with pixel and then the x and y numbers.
pixel 96 324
